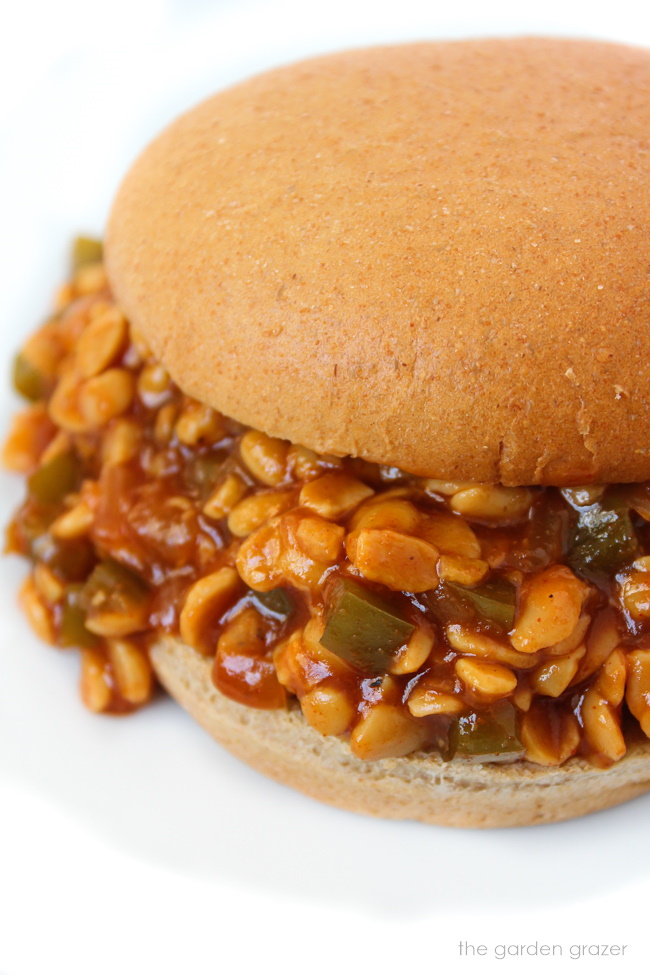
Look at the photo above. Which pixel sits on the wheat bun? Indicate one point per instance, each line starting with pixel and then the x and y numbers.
pixel 433 256
pixel 421 786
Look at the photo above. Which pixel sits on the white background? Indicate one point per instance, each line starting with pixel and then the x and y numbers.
pixel 137 845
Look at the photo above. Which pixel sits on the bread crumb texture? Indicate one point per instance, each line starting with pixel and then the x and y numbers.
pixel 420 786
pixel 433 256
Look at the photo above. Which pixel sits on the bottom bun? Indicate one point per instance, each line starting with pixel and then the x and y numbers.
pixel 421 786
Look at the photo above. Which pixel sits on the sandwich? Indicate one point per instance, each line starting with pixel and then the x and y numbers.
pixel 343 437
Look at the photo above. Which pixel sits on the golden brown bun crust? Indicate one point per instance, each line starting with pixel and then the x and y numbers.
pixel 283 746
pixel 433 256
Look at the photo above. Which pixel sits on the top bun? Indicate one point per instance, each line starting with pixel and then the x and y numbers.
pixel 433 256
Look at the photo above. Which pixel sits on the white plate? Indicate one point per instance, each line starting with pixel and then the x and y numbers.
pixel 137 841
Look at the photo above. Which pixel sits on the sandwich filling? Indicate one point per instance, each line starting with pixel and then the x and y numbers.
pixel 479 621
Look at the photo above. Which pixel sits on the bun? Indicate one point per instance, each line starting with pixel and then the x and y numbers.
pixel 432 256
pixel 421 786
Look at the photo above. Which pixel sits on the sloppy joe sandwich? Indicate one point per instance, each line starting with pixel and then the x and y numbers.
pixel 345 434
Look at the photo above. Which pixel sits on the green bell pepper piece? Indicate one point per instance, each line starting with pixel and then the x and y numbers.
pixel 276 602
pixel 450 605
pixel 61 476
pixel 362 628
pixel 489 736
pixel 604 538
pixel 28 381
pixel 73 632
pixel 86 250
pixel 494 601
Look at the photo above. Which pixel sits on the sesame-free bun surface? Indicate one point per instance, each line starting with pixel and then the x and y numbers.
pixel 283 746
pixel 434 256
